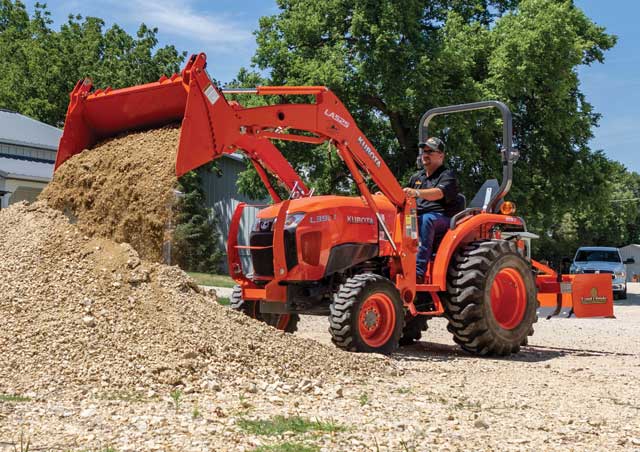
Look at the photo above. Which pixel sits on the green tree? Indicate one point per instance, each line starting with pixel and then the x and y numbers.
pixel 40 66
pixel 390 61
pixel 196 236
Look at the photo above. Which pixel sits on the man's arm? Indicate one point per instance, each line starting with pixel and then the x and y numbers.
pixel 430 194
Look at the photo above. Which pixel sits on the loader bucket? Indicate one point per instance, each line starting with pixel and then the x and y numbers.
pixel 92 117
pixel 95 116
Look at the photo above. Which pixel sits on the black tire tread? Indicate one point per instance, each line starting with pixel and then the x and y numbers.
pixel 464 298
pixel 344 303
pixel 413 328
pixel 247 307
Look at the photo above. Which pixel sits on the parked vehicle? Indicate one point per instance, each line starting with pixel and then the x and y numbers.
pixel 603 259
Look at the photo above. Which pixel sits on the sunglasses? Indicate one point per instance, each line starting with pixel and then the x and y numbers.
pixel 426 150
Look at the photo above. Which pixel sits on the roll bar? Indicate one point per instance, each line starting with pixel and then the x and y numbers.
pixel 509 154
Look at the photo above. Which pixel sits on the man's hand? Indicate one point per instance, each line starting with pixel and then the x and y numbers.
pixel 411 192
pixel 430 194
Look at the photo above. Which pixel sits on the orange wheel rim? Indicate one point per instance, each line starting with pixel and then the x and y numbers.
pixel 377 320
pixel 508 298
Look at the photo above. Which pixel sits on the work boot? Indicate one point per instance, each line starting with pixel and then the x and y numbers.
pixel 424 302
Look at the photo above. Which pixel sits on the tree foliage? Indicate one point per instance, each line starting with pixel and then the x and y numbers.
pixel 40 66
pixel 196 235
pixel 390 61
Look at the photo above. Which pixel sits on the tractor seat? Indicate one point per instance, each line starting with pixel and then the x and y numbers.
pixel 480 201
pixel 488 190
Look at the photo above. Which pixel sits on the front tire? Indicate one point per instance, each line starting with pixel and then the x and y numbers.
pixel 491 298
pixel 285 322
pixel 367 315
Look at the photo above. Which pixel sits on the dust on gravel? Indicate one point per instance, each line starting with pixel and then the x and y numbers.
pixel 80 313
pixel 121 189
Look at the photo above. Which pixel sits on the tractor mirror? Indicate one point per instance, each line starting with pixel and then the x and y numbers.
pixel 630 261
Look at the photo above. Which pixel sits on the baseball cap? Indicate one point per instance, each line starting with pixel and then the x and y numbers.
pixel 433 143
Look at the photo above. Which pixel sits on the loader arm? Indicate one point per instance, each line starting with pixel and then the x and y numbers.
pixel 213 126
pixel 230 127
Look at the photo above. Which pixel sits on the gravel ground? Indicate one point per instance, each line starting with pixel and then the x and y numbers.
pixel 573 388
pixel 104 351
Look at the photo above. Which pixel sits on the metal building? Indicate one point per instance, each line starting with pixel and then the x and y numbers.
pixel 633 270
pixel 222 197
pixel 28 153
pixel 27 156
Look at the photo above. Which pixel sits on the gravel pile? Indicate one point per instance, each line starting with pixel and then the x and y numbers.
pixel 80 313
pixel 121 189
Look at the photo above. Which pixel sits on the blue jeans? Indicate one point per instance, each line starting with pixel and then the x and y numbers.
pixel 429 224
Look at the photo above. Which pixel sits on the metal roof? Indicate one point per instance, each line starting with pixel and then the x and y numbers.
pixel 11 168
pixel 24 131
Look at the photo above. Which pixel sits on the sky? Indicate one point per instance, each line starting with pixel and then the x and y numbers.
pixel 223 29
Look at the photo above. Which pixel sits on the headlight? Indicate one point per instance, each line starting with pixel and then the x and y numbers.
pixel 292 220
pixel 578 270
pixel 620 274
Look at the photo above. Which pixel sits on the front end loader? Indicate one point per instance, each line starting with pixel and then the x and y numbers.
pixel 352 259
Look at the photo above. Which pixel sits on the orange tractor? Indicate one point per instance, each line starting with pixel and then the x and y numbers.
pixel 352 259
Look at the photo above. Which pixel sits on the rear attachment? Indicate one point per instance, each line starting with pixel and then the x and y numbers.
pixel 583 295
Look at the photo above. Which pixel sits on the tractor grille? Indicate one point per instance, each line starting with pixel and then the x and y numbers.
pixel 263 259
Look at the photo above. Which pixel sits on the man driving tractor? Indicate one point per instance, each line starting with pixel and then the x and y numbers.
pixel 435 188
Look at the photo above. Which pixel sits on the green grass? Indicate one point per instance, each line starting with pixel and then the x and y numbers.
pixel 176 395
pixel 205 279
pixel 287 447
pixel 195 413
pixel 280 424
pixel 13 398
pixel 223 301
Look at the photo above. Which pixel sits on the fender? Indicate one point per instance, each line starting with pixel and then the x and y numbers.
pixel 475 227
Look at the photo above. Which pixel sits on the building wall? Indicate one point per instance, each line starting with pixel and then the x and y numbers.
pixel 222 197
pixel 25 151
pixel 632 251
pixel 20 190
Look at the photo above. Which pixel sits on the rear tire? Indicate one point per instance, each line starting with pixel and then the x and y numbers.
pixel 285 322
pixel 491 298
pixel 367 315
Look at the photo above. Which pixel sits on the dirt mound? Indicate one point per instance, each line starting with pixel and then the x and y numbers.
pixel 79 312
pixel 121 189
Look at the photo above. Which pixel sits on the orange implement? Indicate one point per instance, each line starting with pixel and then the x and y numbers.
pixel 587 295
